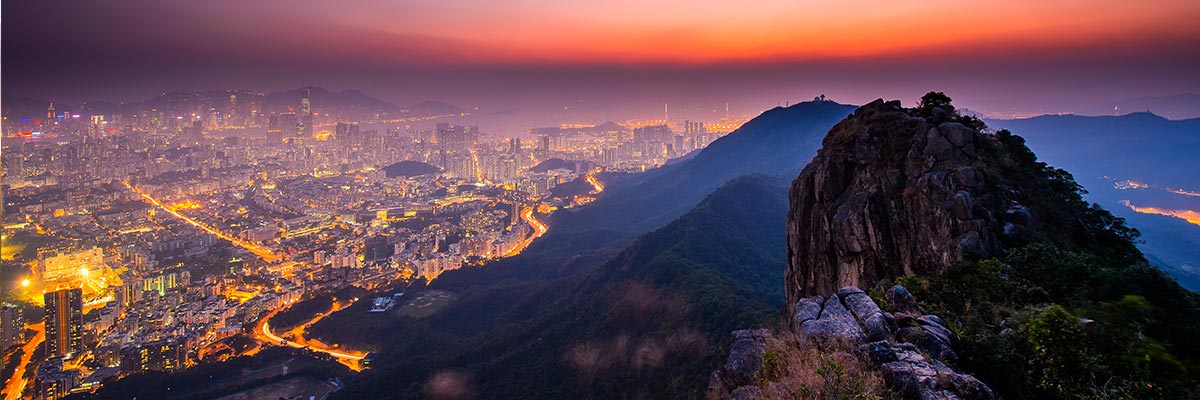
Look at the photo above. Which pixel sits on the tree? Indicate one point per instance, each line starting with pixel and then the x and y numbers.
pixel 934 100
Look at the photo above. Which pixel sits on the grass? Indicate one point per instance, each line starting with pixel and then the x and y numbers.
pixel 799 369
pixel 426 304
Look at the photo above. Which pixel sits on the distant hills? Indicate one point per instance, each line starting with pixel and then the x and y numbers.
pixel 322 97
pixel 435 108
pixel 1179 106
pixel 1140 146
pixel 352 102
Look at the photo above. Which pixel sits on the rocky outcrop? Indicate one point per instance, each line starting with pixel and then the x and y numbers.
pixel 910 350
pixel 741 371
pixel 889 194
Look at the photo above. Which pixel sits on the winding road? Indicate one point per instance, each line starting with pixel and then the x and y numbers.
pixel 263 332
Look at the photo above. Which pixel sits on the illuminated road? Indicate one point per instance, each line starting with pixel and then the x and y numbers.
pixel 259 250
pixel 16 383
pixel 596 185
pixel 263 333
pixel 539 229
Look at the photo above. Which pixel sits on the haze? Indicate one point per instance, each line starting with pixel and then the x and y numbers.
pixel 1000 58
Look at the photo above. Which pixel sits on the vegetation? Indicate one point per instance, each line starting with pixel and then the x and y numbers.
pixel 936 107
pixel 1073 310
pixel 652 322
pixel 832 370
pixel 306 310
pixel 213 380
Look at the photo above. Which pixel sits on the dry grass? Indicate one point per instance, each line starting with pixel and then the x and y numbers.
pixel 796 369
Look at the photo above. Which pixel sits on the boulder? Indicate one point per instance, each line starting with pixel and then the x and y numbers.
pixel 744 362
pixel 808 308
pixel 835 322
pixel 902 300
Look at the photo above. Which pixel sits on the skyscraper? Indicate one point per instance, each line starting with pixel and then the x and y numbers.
pixel 305 123
pixel 64 322
pixel 12 326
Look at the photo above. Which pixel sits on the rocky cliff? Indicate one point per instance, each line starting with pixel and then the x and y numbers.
pixel 890 193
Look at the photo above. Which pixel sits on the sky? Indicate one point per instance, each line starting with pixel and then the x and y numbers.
pixel 1015 56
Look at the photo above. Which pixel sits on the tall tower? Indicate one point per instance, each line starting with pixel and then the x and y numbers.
pixel 305 122
pixel 50 113
pixel 64 322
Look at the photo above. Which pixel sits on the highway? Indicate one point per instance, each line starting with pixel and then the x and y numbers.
pixel 259 250
pixel 263 332
pixel 16 383
pixel 596 185
pixel 539 229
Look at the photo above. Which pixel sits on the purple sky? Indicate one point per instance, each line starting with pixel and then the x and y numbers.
pixel 1021 56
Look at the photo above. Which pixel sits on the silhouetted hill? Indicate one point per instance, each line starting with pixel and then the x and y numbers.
pixel 410 168
pixel 1178 106
pixel 24 107
pixel 553 163
pixel 777 143
pixel 351 103
pixel 1140 145
pixel 649 323
pixel 1143 147
pixel 325 98
pixel 430 108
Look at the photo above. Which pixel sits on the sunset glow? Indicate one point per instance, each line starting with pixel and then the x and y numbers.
pixel 1190 216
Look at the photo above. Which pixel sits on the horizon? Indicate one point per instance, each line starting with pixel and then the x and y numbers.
pixel 1003 59
pixel 782 103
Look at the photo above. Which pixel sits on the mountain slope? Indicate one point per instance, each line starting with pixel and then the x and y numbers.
pixel 1103 152
pixel 649 323
pixel 778 142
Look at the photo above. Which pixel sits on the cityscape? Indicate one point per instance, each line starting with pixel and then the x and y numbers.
pixel 149 239
pixel 653 199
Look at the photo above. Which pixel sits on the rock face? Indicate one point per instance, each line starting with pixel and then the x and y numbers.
pixel 910 350
pixel 889 194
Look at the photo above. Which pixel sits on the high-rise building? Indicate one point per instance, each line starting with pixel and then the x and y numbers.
pixel 652 134
pixel 162 355
pixel 305 122
pixel 514 145
pixel 12 326
pixel 64 322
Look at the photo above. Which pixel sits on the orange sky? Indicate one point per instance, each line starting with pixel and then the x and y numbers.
pixel 1044 56
pixel 699 32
